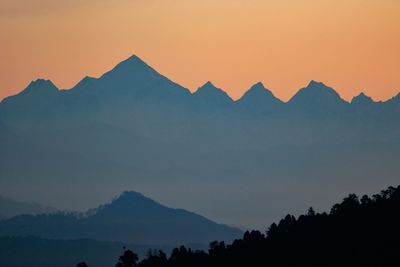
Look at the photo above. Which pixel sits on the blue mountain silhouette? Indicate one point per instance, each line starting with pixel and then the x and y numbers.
pixel 131 217
pixel 259 100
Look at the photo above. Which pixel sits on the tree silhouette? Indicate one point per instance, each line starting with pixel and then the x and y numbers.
pixel 356 232
pixel 128 259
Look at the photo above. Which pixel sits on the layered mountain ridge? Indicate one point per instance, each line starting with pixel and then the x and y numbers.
pixel 133 127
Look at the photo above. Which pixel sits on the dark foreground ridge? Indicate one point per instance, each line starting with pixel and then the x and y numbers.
pixel 356 232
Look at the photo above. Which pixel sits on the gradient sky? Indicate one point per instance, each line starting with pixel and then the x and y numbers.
pixel 351 45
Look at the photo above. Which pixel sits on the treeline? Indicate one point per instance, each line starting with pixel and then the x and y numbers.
pixel 357 232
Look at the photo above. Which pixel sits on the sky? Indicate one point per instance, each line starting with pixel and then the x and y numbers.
pixel 351 45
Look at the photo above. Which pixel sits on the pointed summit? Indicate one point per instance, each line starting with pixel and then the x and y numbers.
pixel 212 97
pixel 259 99
pixel 258 85
pixel 132 78
pixel 130 68
pixel 315 96
pixel 258 88
pixel 208 86
pixel 209 90
pixel 362 99
pixel 257 91
pixel 133 62
pixel 314 88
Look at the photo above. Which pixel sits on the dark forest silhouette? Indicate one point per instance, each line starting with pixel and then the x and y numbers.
pixel 357 232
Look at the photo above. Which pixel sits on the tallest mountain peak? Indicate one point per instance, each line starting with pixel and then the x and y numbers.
pixel 132 63
pixel 132 68
pixel 134 58
pixel 134 78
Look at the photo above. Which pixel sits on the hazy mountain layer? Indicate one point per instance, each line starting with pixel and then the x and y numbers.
pixel 10 208
pixel 244 162
pixel 130 218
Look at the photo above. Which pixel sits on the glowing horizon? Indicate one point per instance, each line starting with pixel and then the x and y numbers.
pixel 351 46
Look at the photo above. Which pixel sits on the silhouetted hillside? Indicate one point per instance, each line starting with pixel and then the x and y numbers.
pixel 10 208
pixel 130 218
pixel 356 232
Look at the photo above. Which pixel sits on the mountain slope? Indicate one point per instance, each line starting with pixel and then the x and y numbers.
pixel 259 100
pixel 129 218
pixel 31 106
pixel 318 98
pixel 209 97
pixel 10 208
pixel 362 100
pixel 131 78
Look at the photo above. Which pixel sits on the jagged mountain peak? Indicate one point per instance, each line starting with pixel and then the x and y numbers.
pixel 209 90
pixel 131 67
pixel 258 85
pixel 315 83
pixel 362 99
pixel 259 99
pixel 319 87
pixel 41 81
pixel 133 61
pixel 42 85
pixel 132 77
pixel 258 90
pixel 37 90
pixel 316 93
pixel 208 86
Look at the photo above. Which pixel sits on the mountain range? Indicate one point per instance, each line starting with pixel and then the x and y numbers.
pixel 130 218
pixel 234 161
pixel 133 81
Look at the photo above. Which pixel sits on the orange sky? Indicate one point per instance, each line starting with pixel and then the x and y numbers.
pixel 351 45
